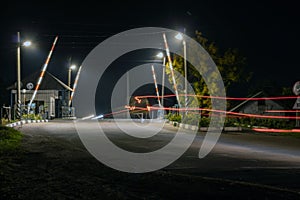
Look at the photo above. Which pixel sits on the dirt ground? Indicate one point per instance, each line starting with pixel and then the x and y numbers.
pixel 50 167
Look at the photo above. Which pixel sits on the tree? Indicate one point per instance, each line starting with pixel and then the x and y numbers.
pixel 229 62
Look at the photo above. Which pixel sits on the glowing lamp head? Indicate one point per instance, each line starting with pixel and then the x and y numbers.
pixel 160 55
pixel 73 67
pixel 27 43
pixel 179 36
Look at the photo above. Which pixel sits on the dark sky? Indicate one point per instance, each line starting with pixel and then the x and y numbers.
pixel 265 32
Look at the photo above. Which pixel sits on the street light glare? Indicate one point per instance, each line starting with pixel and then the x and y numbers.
pixel 179 36
pixel 160 55
pixel 72 67
pixel 27 43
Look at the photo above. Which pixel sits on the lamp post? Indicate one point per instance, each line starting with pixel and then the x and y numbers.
pixel 161 55
pixel 26 44
pixel 18 77
pixel 180 37
pixel 72 67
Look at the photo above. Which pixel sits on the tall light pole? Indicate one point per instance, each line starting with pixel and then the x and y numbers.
pixel 72 67
pixel 18 110
pixel 180 37
pixel 161 55
pixel 27 43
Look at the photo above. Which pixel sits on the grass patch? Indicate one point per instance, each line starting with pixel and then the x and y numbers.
pixel 10 140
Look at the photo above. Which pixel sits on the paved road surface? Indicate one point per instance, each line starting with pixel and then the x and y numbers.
pixel 260 160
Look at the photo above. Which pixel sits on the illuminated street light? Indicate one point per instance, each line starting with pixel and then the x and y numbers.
pixel 180 37
pixel 72 67
pixel 161 55
pixel 26 44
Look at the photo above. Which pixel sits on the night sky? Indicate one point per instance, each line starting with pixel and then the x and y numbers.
pixel 266 33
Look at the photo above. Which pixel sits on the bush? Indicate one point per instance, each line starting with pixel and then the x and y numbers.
pixel 191 119
pixel 174 117
pixel 231 122
pixel 264 122
pixel 32 116
pixel 204 122
pixel 235 121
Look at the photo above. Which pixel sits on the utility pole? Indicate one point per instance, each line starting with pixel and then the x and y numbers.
pixel 18 103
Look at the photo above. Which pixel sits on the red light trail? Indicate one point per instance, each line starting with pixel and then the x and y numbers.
pixel 216 111
pixel 228 114
pixel 281 111
pixel 276 130
pixel 224 98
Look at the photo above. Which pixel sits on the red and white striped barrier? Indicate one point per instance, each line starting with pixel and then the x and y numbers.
pixel 155 83
pixel 171 68
pixel 42 73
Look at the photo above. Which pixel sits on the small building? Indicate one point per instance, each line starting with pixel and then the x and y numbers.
pixel 51 100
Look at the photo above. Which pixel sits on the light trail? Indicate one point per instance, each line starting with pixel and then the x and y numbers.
pixel 113 113
pixel 276 130
pixel 220 111
pixel 230 114
pixel 282 111
pixel 263 116
pixel 224 98
pixel 87 117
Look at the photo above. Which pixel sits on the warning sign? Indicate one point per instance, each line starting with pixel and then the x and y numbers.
pixel 297 104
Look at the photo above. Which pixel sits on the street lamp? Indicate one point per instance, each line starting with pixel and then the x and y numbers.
pixel 180 37
pixel 72 67
pixel 161 55
pixel 26 44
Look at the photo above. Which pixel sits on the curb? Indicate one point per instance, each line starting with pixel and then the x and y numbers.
pixel 28 121
pixel 185 126
pixel 193 128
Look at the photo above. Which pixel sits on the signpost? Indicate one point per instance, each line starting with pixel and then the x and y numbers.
pixel 296 90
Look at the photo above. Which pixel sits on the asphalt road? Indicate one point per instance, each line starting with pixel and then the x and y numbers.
pixel 260 160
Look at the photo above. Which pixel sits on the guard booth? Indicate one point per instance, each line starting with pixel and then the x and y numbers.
pixel 50 99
